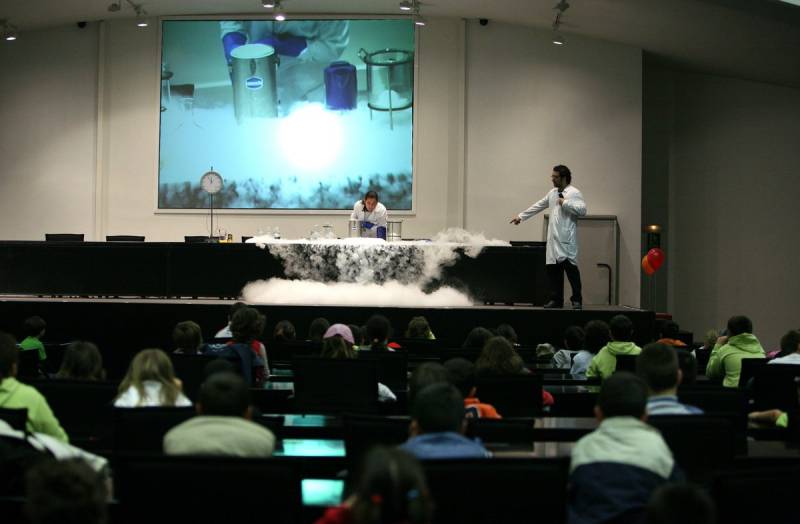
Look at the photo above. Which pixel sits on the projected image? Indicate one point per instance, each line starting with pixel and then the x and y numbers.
pixel 301 114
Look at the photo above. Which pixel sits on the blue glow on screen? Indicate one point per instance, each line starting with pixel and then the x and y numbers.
pixel 302 114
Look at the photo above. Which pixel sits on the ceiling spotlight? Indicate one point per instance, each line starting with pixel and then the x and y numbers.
pixel 268 4
pixel 141 14
pixel 405 5
pixel 115 6
pixel 9 30
pixel 280 15
pixel 419 20
pixel 558 39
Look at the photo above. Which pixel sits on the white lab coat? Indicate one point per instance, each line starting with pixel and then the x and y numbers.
pixel 298 76
pixel 378 216
pixel 562 230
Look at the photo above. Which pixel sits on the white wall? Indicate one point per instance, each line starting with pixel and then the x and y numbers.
pixel 734 212
pixel 532 105
pixel 48 94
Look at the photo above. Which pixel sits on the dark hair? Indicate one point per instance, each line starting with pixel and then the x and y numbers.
pixel 9 354
pixel 623 394
pixel 596 335
pixel 391 488
pixel 418 327
pixel 563 171
pixel 236 306
pixel 65 491
pixel 224 394
pixel 499 358
pixel 425 375
pixel 574 337
pixel 477 338
pixel 370 194
pixel 657 365
pixel 187 337
pixel 790 342
pixel 621 328
pixel 505 330
pixel 670 329
pixel 284 330
pixel 739 324
pixel 82 361
pixel 378 331
pixel 687 364
pixel 462 374
pixel 247 325
pixel 33 326
pixel 358 334
pixel 337 347
pixel 437 408
pixel 680 504
pixel 317 329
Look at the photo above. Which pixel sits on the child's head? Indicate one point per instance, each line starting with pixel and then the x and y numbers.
pixel 187 337
pixel 247 324
pixel 621 328
pixel 34 326
pixel 152 365
pixel 82 361
pixel 418 327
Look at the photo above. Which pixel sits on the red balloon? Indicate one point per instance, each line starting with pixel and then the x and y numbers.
pixel 646 267
pixel 656 258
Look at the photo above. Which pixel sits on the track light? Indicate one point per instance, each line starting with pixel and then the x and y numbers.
pixel 268 4
pixel 141 14
pixel 9 31
pixel 558 39
pixel 405 5
pixel 560 7
pixel 279 15
pixel 419 20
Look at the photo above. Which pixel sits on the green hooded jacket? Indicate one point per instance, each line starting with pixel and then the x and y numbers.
pixel 726 359
pixel 604 363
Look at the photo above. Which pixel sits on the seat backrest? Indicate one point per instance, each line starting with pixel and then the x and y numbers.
pixel 775 386
pixel 392 368
pixel 512 395
pixel 142 430
pixel 626 363
pixel 324 385
pixel 191 370
pixel 28 364
pixel 16 418
pixel 750 367
pixel 736 489
pixel 207 489
pixel 502 431
pixel 498 490
pixel 63 237
pixel 83 408
pixel 364 431
pixel 124 238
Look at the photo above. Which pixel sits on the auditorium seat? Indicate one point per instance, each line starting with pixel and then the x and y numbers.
pixel 28 365
pixel 324 385
pixel 142 430
pixel 63 237
pixel 775 386
pixel 753 490
pixel 750 367
pixel 512 395
pixel 191 370
pixel 392 368
pixel 16 418
pixel 124 238
pixel 626 363
pixel 364 431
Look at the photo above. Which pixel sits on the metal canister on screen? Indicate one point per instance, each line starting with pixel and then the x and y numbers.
pixel 254 71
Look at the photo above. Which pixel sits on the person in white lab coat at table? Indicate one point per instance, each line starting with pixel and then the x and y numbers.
pixel 566 204
pixel 372 215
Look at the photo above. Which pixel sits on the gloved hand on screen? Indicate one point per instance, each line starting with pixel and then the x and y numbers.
pixel 381 232
pixel 230 42
pixel 285 44
pixel 368 225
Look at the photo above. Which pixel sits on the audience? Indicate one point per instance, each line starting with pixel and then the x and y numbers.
pixel 317 328
pixel 596 335
pixel 604 363
pixel 226 331
pixel 378 330
pixel 669 334
pixel 358 336
pixel 438 424
pixel 615 469
pixel 247 325
pixel 16 395
pixel 498 358
pixel 33 329
pixel 507 331
pixel 390 488
pixel 223 425
pixel 186 338
pixel 418 328
pixel 82 361
pixel 477 338
pixel 658 366
pixel 284 332
pixel 790 349
pixel 150 381
pixel 462 375
pixel 680 504
pixel 573 344
pixel 66 492
pixel 731 349
pixel 688 366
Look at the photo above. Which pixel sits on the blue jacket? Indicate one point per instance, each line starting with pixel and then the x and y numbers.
pixel 444 445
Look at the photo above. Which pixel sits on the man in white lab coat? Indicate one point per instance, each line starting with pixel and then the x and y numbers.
pixel 566 204
pixel 372 215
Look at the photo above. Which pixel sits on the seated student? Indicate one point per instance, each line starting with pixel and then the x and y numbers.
pixel 150 381
pixel 82 361
pixel 507 331
pixel 657 365
pixel 378 330
pixel 499 358
pixel 247 325
pixel 187 338
pixel 687 363
pixel 337 342
pixel 390 487
pixel 669 334
pixel 615 469
pixel 358 335
pixel 15 395
pixel 680 504
pixel 596 335
pixel 317 328
pixel 226 331
pixel 573 344
pixel 790 349
pixel 419 328
pixel 426 374
pixel 223 425
pixel 68 491
pixel 34 328
pixel 462 376
pixel 604 363
pixel 477 338
pixel 284 332
pixel 729 351
pixel 438 425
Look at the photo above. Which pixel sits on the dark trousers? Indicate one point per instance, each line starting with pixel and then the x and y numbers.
pixel 555 280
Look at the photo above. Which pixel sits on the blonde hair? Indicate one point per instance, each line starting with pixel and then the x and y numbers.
pixel 152 365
